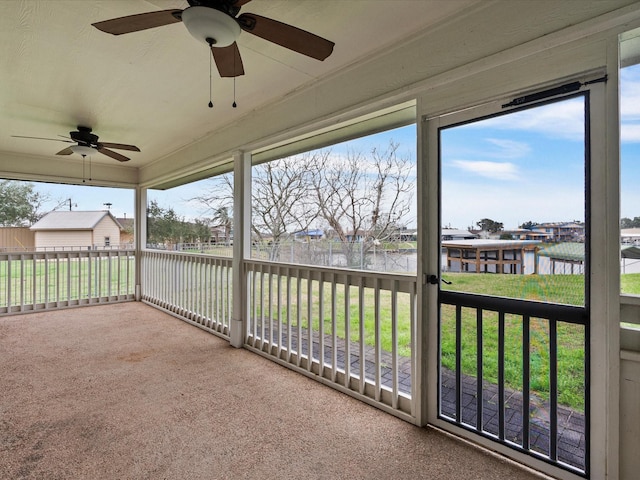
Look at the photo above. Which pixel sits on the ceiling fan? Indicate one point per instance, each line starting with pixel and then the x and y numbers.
pixel 86 143
pixel 217 23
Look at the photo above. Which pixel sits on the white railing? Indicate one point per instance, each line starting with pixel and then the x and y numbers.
pixel 32 281
pixel 196 288
pixel 66 248
pixel 353 329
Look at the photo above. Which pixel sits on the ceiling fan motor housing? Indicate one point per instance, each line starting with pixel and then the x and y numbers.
pixel 84 135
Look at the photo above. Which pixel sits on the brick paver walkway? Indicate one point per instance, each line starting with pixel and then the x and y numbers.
pixel 571 424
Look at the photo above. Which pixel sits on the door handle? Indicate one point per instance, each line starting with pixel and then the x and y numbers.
pixel 433 280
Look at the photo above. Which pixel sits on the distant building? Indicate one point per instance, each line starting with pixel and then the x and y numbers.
pixel 525 234
pixel 308 235
pixel 630 236
pixel 76 230
pixel 448 234
pixel 486 256
pixel 562 231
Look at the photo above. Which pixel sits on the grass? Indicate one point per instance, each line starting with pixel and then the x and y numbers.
pixel 566 289
pixel 630 283
pixel 37 281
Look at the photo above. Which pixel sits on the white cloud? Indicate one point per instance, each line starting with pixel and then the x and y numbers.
pixel 563 119
pixel 493 170
pixel 630 94
pixel 630 132
pixel 509 148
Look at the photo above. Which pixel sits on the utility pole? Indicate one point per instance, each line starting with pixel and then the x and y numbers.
pixel 108 205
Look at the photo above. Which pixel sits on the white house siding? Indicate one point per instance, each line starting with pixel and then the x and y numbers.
pixel 106 228
pixel 62 239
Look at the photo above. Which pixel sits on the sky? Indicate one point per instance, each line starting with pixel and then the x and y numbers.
pixel 512 168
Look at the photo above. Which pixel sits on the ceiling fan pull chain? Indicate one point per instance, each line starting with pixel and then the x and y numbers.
pixel 83 174
pixel 234 104
pixel 210 78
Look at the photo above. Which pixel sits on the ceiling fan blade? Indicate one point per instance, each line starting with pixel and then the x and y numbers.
pixel 228 60
pixel 119 146
pixel 239 3
pixel 286 36
pixel 114 155
pixel 66 151
pixel 141 21
pixel 41 138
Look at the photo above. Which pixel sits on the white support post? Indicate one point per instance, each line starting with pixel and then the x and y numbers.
pixel 241 244
pixel 140 236
pixel 426 343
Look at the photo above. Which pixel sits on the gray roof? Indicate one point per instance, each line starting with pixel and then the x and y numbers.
pixel 487 243
pixel 61 220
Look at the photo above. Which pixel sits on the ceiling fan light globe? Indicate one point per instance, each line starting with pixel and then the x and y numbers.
pixel 83 150
pixel 208 23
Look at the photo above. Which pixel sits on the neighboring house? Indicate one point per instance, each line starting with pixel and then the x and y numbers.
pixel 73 230
pixel 562 231
pixel 357 236
pixel 308 235
pixel 455 234
pixel 630 236
pixel 126 234
pixel 218 235
pixel 404 235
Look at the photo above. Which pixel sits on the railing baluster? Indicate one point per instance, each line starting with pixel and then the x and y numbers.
pixel 288 317
pixel 501 399
pixel 46 280
pixel 262 307
pixel 22 280
pixel 270 309
pixel 361 345
pixel 347 331
pixel 458 363
pixel 321 325
pixel 553 390
pixel 9 283
pixel 254 301
pixel 34 283
pixel 279 310
pixel 334 333
pixel 378 340
pixel 309 322
pixel 526 372
pixel 394 344
pixel 479 370
pixel 299 316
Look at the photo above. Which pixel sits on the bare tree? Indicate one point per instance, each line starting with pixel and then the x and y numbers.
pixel 281 199
pixel 363 199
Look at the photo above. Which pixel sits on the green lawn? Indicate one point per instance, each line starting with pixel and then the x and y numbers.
pixel 37 281
pixel 630 283
pixel 566 289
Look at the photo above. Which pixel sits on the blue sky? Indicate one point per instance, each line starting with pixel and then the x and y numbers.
pixel 527 165
pixel 511 168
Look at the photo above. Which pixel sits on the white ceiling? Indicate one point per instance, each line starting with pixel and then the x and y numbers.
pixel 151 88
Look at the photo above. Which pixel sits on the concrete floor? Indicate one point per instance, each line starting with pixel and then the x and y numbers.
pixel 125 391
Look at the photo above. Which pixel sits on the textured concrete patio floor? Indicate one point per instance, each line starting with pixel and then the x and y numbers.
pixel 127 392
